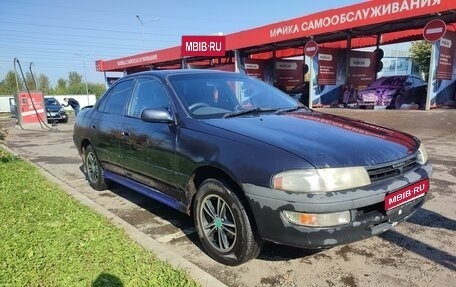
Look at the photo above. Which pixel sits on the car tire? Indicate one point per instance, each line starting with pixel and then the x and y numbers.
pixel 94 170
pixel 398 101
pixel 223 225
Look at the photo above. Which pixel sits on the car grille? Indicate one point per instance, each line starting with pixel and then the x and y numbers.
pixel 391 170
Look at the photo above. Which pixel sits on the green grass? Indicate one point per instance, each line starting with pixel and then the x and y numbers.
pixel 49 239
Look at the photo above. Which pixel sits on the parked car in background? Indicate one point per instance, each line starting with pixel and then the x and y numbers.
pixel 394 91
pixel 249 163
pixel 54 110
pixel 13 107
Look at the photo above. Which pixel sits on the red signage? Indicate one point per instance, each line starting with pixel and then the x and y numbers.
pixel 363 14
pixel 255 68
pixel 311 48
pixel 406 194
pixel 212 46
pixel 31 107
pixel 361 68
pixel 434 30
pixel 288 73
pixel 447 52
pixel 327 66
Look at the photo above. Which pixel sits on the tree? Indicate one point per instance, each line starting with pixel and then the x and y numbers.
pixel 8 85
pixel 75 84
pixel 61 87
pixel 420 52
pixel 44 84
pixel 74 78
pixel 71 86
pixel 30 81
pixel 76 89
pixel 96 89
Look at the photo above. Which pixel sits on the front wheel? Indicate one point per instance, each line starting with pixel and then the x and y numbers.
pixel 223 225
pixel 396 102
pixel 93 169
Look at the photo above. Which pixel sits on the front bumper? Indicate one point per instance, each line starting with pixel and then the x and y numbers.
pixel 365 204
pixel 58 116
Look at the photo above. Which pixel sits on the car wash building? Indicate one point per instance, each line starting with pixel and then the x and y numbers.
pixel 326 46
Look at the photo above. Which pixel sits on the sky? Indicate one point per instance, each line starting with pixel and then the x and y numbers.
pixel 63 36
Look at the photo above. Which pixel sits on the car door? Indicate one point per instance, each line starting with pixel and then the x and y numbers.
pixel 148 149
pixel 13 107
pixel 106 125
pixel 419 91
pixel 408 91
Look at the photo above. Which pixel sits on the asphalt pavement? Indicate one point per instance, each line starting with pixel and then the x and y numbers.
pixel 420 252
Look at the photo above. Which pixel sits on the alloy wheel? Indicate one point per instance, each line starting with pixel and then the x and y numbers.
pixel 93 171
pixel 218 223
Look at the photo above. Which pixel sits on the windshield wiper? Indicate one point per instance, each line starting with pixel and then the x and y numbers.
pixel 287 110
pixel 249 111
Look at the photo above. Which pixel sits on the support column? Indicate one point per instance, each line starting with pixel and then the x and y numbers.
pixel 274 66
pixel 237 61
pixel 432 68
pixel 347 63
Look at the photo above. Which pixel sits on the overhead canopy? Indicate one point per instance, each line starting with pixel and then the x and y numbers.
pixel 368 23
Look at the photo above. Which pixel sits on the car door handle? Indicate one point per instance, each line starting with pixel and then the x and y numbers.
pixel 126 134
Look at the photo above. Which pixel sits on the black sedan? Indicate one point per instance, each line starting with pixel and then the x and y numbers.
pixel 54 111
pixel 249 163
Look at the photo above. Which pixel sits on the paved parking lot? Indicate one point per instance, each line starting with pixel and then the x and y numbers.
pixel 420 252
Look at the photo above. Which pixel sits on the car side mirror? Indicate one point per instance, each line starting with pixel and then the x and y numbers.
pixel 156 116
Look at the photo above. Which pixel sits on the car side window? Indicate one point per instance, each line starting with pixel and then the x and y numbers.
pixel 409 82
pixel 148 94
pixel 116 99
pixel 418 81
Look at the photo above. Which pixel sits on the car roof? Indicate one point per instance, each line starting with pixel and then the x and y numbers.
pixel 51 102
pixel 165 73
pixel 394 76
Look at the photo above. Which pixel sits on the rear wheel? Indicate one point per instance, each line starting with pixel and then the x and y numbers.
pixel 93 169
pixel 223 225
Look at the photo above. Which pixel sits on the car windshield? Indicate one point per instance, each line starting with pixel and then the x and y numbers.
pixel 217 95
pixel 390 81
pixel 51 102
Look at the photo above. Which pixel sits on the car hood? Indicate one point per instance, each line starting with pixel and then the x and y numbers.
pixel 53 108
pixel 379 89
pixel 322 139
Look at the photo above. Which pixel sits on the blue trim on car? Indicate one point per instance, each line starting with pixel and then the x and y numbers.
pixel 145 190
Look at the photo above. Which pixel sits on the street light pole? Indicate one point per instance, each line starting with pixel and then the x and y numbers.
pixel 142 28
pixel 142 31
pixel 85 75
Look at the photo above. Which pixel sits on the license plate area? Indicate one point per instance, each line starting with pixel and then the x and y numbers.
pixel 406 194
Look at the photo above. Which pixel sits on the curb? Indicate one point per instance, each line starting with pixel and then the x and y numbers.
pixel 161 252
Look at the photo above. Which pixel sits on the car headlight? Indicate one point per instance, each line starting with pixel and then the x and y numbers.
pixel 321 180
pixel 422 155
